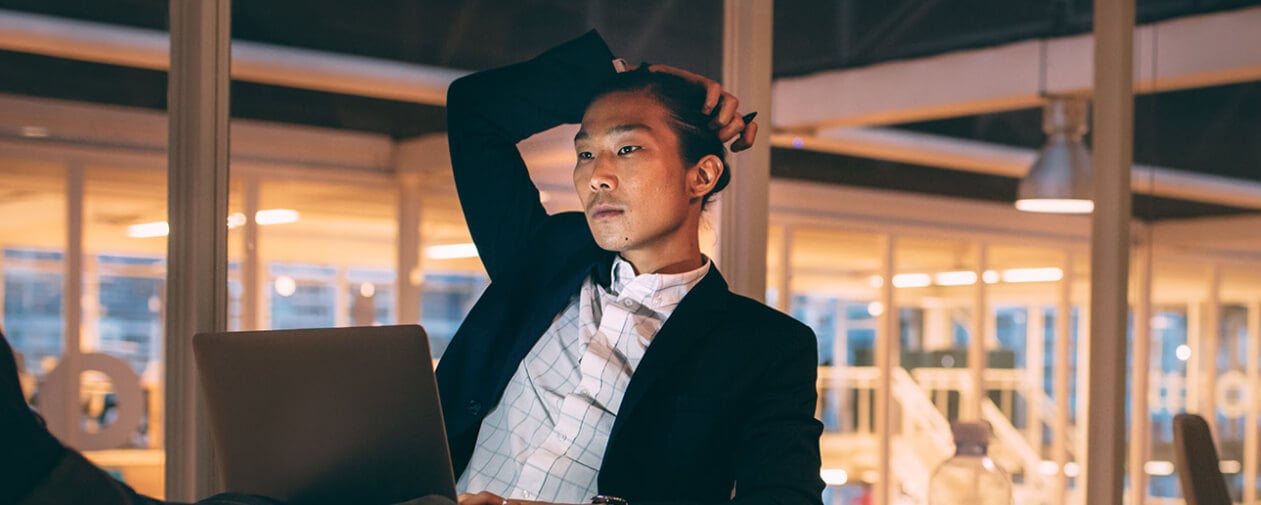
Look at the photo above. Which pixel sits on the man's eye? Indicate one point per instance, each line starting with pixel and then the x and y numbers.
pixel 627 149
pixel 585 155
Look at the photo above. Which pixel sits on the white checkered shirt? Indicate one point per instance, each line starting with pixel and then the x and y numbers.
pixel 546 438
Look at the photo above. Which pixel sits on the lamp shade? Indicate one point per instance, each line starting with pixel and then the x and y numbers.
pixel 1059 180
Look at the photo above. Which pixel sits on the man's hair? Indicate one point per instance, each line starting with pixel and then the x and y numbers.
pixel 683 100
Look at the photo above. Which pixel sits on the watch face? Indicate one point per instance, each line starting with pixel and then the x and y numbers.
pixel 603 499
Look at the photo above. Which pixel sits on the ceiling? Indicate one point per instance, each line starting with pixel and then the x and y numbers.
pixel 1206 130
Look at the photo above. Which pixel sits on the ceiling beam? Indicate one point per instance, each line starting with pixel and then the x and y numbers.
pixel 251 61
pixel 1206 231
pixel 1182 53
pixel 982 157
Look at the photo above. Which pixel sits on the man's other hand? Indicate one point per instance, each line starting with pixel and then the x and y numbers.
pixel 488 498
pixel 727 122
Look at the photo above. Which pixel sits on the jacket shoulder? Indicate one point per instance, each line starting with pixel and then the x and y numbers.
pixel 768 323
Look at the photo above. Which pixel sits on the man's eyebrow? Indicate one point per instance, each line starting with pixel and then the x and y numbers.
pixel 622 128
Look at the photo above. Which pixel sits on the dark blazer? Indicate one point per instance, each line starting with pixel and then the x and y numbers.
pixel 725 394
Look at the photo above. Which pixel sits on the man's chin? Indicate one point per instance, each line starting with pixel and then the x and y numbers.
pixel 612 241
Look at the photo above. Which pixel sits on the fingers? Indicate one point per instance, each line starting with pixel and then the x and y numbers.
pixel 482 498
pixel 726 112
pixel 713 90
pixel 746 139
pixel 726 122
pixel 713 94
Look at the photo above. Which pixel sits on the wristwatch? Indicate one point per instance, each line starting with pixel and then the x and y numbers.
pixel 604 499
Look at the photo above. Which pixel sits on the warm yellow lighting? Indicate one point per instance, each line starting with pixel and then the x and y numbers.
pixel 912 280
pixel 990 277
pixel 367 290
pixel 149 230
pixel 1050 274
pixel 236 220
pixel 1072 469
pixel 1052 206
pixel 834 476
pixel 276 216
pixel 451 251
pixel 1048 467
pixel 1158 468
pixel 960 278
pixel 875 281
pixel 34 132
pixel 1229 466
pixel 875 309
pixel 1183 352
pixel 286 286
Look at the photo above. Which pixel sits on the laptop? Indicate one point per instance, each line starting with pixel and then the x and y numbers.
pixel 326 416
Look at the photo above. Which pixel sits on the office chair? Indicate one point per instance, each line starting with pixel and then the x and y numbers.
pixel 1195 459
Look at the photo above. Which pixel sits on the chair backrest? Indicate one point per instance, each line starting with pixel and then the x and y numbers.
pixel 1195 458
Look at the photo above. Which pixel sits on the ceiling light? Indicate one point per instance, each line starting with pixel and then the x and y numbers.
pixel 34 132
pixel 1050 274
pixel 960 278
pixel 235 220
pixel 149 230
pixel 1158 468
pixel 1059 180
pixel 276 216
pixel 912 280
pixel 875 309
pixel 834 476
pixel 451 251
pixel 286 286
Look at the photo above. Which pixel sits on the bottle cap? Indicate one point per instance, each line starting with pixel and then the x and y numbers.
pixel 971 433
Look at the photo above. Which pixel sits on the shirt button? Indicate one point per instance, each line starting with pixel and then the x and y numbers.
pixel 628 303
pixel 474 407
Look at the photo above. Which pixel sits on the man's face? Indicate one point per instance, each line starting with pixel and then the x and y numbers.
pixel 630 177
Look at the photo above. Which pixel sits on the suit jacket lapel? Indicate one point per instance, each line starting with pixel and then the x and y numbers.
pixel 543 310
pixel 688 324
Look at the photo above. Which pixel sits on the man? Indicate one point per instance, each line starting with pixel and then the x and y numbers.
pixel 607 355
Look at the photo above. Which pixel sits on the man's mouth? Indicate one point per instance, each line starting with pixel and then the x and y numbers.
pixel 600 211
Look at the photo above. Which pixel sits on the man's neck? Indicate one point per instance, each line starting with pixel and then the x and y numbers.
pixel 675 266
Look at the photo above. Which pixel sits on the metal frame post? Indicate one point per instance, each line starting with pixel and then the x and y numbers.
pixel 197 276
pixel 743 210
pixel 886 359
pixel 1104 463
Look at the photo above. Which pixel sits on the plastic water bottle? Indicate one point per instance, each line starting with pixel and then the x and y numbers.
pixel 970 477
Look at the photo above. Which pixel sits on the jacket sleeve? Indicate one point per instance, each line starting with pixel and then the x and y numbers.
pixel 779 459
pixel 776 460
pixel 489 112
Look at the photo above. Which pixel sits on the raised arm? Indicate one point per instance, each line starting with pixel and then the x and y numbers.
pixel 489 112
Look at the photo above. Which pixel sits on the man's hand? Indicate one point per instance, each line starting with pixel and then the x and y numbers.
pixel 727 123
pixel 488 498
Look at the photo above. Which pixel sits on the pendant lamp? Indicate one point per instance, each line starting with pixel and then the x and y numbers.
pixel 1059 180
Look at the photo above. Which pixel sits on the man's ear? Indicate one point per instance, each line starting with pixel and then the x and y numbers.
pixel 704 176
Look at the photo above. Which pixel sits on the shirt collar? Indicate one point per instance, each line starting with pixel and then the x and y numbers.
pixel 622 274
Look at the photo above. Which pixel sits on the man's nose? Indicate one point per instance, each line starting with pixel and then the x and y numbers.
pixel 603 177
